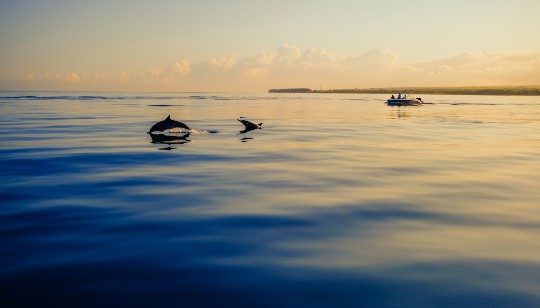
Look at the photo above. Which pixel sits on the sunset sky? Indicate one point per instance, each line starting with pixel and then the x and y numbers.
pixel 253 45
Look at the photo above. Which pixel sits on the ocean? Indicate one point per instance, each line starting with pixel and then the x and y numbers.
pixel 339 200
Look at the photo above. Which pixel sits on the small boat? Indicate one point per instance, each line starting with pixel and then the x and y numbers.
pixel 404 101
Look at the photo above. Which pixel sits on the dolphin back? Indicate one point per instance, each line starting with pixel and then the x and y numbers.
pixel 248 124
pixel 179 124
pixel 167 124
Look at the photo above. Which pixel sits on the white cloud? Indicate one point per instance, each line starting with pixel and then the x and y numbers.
pixel 257 65
pixel 286 55
pixel 72 77
pixel 56 78
pixel 177 69
pixel 289 66
pixel 171 73
pixel 480 68
pixel 315 58
pixel 383 58
pixel 223 63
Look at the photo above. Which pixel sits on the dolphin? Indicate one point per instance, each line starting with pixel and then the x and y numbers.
pixel 167 124
pixel 249 126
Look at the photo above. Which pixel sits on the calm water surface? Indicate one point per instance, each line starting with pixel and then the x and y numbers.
pixel 338 200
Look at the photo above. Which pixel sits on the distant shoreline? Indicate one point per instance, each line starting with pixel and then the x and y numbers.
pixel 514 91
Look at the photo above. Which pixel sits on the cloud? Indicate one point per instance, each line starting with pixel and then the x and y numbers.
pixel 221 64
pixel 72 77
pixel 287 55
pixel 290 66
pixel 177 69
pixel 258 65
pixel 174 72
pixel 315 58
pixel 479 68
pixel 48 77
pixel 375 58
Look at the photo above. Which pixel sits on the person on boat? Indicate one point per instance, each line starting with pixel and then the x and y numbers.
pixel 405 96
pixel 399 96
pixel 393 97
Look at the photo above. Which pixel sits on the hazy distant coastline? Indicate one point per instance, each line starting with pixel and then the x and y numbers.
pixel 521 90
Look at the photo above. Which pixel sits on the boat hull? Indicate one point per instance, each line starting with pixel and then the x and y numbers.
pixel 403 102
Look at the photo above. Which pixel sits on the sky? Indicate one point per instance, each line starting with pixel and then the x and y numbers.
pixel 240 45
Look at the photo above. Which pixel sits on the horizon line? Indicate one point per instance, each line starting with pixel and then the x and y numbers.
pixel 299 87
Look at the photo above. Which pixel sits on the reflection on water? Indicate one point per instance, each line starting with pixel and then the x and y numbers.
pixel 246 130
pixel 401 112
pixel 337 204
pixel 245 139
pixel 169 139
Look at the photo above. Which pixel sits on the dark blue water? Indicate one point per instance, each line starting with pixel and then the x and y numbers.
pixel 338 201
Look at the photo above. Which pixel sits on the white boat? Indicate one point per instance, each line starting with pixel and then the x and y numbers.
pixel 404 101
